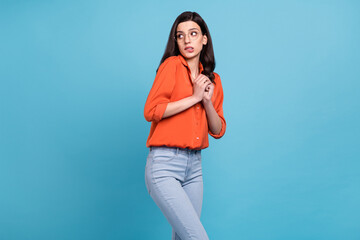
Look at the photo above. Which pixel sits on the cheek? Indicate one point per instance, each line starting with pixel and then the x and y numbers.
pixel 180 47
pixel 199 45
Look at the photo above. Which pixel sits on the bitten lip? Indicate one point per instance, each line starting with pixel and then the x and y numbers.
pixel 188 47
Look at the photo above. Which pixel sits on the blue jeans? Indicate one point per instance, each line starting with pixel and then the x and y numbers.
pixel 173 178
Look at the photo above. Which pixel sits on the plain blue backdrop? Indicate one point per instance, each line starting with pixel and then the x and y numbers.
pixel 74 77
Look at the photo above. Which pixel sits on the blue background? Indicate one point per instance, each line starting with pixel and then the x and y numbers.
pixel 74 80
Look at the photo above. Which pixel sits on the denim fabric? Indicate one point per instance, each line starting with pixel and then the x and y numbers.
pixel 173 178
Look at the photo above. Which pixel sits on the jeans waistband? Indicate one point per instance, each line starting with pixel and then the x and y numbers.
pixel 177 149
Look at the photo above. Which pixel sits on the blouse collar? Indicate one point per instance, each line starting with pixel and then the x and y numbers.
pixel 182 59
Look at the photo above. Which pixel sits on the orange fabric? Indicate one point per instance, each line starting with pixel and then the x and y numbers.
pixel 189 128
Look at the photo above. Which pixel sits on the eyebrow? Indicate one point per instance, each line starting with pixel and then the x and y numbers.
pixel 189 29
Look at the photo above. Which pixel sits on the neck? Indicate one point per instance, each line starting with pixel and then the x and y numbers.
pixel 194 64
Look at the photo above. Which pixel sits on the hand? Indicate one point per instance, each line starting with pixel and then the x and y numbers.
pixel 209 90
pixel 199 85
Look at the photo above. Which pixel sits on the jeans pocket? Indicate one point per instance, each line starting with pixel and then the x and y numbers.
pixel 163 155
pixel 198 156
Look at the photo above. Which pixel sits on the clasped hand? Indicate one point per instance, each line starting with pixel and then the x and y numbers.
pixel 203 88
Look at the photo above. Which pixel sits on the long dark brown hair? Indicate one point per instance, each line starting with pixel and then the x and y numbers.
pixel 207 58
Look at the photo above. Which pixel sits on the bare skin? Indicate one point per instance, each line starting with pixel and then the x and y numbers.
pixel 203 89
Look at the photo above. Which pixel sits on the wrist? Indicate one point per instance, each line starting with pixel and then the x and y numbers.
pixel 196 99
pixel 206 103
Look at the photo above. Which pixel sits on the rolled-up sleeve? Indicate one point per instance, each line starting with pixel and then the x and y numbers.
pixel 218 105
pixel 160 93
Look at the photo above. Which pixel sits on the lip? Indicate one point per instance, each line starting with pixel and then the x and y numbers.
pixel 189 49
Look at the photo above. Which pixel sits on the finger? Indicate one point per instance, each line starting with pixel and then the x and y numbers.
pixel 207 84
pixel 198 80
pixel 211 87
pixel 205 81
pixel 201 79
pixel 202 84
pixel 200 76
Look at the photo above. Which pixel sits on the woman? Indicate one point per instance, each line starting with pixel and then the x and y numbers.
pixel 184 106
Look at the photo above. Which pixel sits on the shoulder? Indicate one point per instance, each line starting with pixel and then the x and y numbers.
pixel 217 76
pixel 217 79
pixel 172 59
pixel 217 84
pixel 170 63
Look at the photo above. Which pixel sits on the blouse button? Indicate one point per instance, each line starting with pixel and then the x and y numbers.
pixel 197 137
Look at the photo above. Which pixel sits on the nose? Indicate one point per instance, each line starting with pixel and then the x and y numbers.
pixel 187 38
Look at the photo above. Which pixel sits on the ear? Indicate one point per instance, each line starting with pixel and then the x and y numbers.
pixel 205 39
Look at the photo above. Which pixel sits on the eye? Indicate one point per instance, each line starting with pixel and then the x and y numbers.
pixel 194 33
pixel 179 36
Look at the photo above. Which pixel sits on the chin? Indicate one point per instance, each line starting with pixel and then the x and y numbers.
pixel 190 55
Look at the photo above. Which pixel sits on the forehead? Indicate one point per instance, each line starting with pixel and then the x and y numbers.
pixel 185 26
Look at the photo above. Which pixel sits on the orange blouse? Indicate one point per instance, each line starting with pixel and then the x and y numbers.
pixel 189 128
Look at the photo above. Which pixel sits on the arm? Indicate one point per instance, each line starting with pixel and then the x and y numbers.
pixel 161 90
pixel 158 105
pixel 173 108
pixel 213 118
pixel 199 85
pixel 213 108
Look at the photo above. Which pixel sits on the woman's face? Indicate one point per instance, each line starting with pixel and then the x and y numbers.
pixel 190 39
